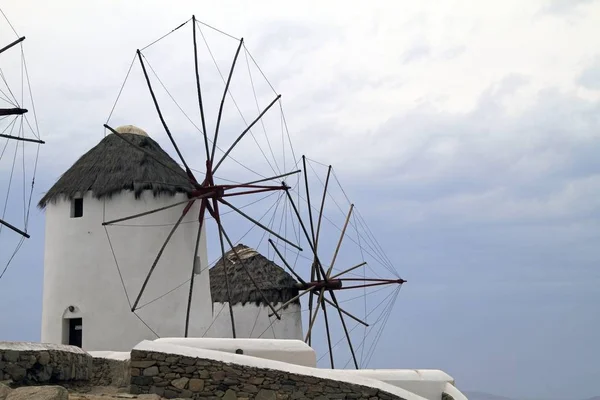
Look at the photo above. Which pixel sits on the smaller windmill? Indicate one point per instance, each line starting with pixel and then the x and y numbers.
pixel 323 282
pixel 18 128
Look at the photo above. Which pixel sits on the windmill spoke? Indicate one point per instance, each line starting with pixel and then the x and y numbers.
pixel 183 214
pixel 378 283
pixel 242 135
pixel 193 274
pixel 258 223
pixel 310 218
pixel 322 206
pixel 237 52
pixel 319 265
pixel 114 221
pixel 12 111
pixel 328 334
pixel 8 46
pixel 286 263
pixel 162 119
pixel 314 318
pixel 204 133
pixel 14 228
pixel 346 312
pixel 337 249
pixel 310 305
pixel 272 178
pixel 290 301
pixel 215 214
pixel 345 327
pixel 20 138
pixel 349 269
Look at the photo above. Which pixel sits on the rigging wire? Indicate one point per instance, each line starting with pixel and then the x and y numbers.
pixel 233 99
pixel 165 35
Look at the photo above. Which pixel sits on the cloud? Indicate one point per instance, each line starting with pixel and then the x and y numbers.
pixel 561 7
pixel 466 135
pixel 590 77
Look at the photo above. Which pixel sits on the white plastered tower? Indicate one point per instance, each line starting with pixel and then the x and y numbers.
pixel 92 278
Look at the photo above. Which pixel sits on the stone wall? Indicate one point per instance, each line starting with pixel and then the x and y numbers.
pixel 175 376
pixel 26 363
pixel 109 372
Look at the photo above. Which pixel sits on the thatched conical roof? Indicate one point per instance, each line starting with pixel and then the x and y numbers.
pixel 277 285
pixel 114 165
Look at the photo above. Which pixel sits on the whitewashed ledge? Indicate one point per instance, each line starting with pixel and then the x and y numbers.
pixel 152 359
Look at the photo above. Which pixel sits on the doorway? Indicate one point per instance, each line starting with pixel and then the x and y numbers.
pixel 75 332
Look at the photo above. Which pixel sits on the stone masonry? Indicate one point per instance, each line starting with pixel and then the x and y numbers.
pixel 27 363
pixel 176 376
pixel 108 372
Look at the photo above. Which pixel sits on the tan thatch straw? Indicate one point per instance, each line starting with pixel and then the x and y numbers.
pixel 277 285
pixel 114 165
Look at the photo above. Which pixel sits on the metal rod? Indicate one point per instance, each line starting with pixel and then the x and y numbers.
pixel 22 139
pixel 12 111
pixel 328 334
pixel 193 274
pixel 313 267
pixel 367 285
pixel 310 305
pixel 322 206
pixel 243 134
pixel 314 318
pixel 14 228
pixel 346 312
pixel 162 119
pixel 345 327
pixel 215 214
pixel 183 214
pixel 285 262
pixel 337 249
pixel 310 218
pixel 373 280
pixel 200 91
pixel 250 186
pixel 177 171
pixel 306 233
pixel 349 269
pixel 273 178
pixel 258 223
pixel 293 299
pixel 248 272
pixel 250 192
pixel 237 52
pixel 8 46
pixel 155 210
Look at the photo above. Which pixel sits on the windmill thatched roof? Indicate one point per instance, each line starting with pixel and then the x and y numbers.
pixel 277 285
pixel 114 165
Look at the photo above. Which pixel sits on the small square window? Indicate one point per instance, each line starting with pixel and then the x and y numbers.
pixel 77 208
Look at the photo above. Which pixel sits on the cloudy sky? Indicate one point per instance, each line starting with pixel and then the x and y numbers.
pixel 469 130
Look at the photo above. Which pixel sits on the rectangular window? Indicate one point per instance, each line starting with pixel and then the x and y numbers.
pixel 77 208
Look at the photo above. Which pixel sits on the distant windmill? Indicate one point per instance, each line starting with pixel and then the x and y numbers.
pixel 17 129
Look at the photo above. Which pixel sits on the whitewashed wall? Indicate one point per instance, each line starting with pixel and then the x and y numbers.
pixel 254 322
pixel 80 271
pixel 286 350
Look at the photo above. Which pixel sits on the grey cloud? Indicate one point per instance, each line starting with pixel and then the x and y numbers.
pixel 559 7
pixel 590 77
pixel 416 53
pixel 538 164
